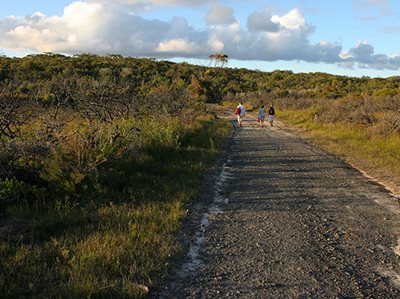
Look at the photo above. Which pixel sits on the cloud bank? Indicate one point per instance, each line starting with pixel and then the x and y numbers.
pixel 116 27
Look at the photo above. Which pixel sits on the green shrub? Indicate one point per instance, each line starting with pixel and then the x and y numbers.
pixel 112 237
pixel 15 191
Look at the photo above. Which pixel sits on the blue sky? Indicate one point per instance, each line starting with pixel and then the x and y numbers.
pixel 347 37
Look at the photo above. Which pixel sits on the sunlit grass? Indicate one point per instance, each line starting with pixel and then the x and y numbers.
pixel 112 239
pixel 351 141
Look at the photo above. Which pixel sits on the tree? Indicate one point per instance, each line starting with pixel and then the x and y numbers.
pixel 219 59
pixel 15 111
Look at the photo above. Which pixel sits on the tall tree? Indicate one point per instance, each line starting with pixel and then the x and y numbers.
pixel 219 59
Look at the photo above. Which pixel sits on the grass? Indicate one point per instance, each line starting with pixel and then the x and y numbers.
pixel 356 143
pixel 114 241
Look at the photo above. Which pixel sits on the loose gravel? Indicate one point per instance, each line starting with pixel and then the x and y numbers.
pixel 281 218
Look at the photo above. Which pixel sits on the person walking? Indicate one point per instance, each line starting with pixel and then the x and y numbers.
pixel 240 112
pixel 261 116
pixel 271 117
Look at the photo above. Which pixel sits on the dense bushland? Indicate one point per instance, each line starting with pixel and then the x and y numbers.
pixel 377 115
pixel 99 157
pixel 105 232
pixel 96 171
pixel 38 72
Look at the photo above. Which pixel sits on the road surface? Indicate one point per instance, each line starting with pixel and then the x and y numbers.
pixel 280 218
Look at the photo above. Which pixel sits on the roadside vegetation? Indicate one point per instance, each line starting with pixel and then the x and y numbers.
pixel 365 130
pixel 100 156
pixel 96 172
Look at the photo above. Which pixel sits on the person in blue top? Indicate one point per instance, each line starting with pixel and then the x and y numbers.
pixel 261 116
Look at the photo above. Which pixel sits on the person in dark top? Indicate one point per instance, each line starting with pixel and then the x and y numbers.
pixel 271 113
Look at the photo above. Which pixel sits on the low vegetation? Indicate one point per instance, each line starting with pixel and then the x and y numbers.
pixel 95 178
pixel 100 156
pixel 363 127
pixel 364 130
pixel 99 221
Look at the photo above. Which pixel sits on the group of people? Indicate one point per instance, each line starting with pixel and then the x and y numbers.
pixel 240 112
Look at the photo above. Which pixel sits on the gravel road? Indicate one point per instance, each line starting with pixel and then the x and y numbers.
pixel 284 219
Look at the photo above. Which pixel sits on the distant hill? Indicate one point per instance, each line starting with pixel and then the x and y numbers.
pixel 209 84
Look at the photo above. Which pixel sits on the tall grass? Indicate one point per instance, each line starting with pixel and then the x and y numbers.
pixel 112 232
pixel 361 143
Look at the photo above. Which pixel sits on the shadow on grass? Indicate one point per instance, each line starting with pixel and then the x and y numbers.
pixel 119 233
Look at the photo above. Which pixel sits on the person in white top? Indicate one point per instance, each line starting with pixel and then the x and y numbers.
pixel 240 112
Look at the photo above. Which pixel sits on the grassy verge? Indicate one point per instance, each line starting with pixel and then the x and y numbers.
pixel 115 239
pixel 377 155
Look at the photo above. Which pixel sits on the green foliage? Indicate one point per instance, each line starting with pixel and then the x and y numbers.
pixel 205 83
pixel 11 189
pixel 120 234
pixel 362 128
pixel 377 116
pixel 99 156
pixel 385 92
pixel 88 147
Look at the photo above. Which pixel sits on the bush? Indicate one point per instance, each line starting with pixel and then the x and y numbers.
pixel 14 192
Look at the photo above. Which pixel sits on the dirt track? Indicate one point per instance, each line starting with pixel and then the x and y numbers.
pixel 284 219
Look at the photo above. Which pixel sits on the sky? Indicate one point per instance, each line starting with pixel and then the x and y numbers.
pixel 344 37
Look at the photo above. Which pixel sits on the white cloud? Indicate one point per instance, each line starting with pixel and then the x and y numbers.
pixel 292 20
pixel 94 27
pixel 147 3
pixel 261 21
pixel 346 65
pixel 144 5
pixel 395 55
pixel 220 15
pixel 289 42
pixel 78 29
pixel 178 46
pixel 362 52
pixel 363 56
pixel 100 28
pixel 215 44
